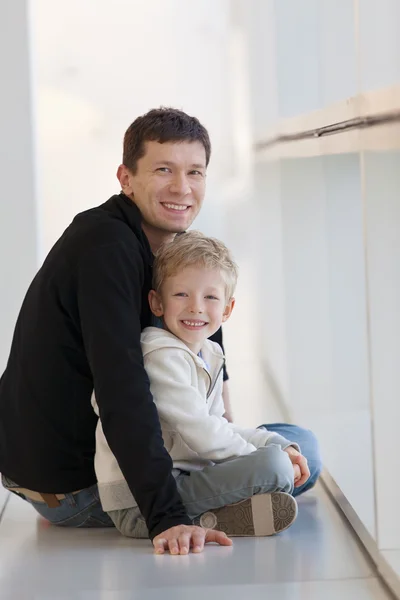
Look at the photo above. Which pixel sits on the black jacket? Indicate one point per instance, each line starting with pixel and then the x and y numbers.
pixel 78 329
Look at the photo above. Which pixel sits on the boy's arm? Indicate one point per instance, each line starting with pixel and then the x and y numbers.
pixel 262 437
pixel 257 437
pixel 186 411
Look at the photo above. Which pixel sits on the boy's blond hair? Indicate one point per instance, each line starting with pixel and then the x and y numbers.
pixel 194 249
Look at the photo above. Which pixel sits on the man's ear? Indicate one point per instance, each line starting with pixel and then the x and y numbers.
pixel 228 310
pixel 155 303
pixel 124 178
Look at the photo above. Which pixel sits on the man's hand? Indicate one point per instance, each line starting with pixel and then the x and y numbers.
pixel 180 539
pixel 299 463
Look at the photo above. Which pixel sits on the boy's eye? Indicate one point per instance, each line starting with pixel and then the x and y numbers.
pixel 181 294
pixel 210 297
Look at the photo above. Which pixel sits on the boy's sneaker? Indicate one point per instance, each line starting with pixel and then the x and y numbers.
pixel 260 515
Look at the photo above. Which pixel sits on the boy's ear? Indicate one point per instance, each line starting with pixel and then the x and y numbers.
pixel 155 303
pixel 228 310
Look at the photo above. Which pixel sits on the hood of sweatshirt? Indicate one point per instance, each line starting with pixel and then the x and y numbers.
pixel 154 338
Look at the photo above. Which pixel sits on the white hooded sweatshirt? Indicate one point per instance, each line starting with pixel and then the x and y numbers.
pixel 187 390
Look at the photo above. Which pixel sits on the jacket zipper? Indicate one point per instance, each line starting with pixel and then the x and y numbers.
pixel 212 384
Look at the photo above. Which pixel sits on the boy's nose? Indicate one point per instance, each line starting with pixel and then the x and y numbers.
pixel 196 308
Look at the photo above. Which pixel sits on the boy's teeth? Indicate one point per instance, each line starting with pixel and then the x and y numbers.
pixel 176 206
pixel 194 324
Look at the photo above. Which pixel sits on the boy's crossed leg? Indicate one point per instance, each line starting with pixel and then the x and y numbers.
pixel 248 495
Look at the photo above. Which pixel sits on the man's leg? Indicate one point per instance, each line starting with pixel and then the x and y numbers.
pixel 75 510
pixel 309 448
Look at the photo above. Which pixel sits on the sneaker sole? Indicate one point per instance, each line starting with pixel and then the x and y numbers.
pixel 260 515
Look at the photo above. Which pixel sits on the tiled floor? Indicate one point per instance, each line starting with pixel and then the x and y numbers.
pixel 392 558
pixel 318 557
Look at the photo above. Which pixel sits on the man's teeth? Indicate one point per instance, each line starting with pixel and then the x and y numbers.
pixel 176 206
pixel 194 323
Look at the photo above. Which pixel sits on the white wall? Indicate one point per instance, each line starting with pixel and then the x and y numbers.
pixel 327 220
pixel 382 179
pixel 326 319
pixel 95 67
pixel 17 206
pixel 312 298
pixel 98 66
pixel 75 75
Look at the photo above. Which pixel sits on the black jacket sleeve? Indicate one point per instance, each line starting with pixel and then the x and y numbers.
pixel 110 280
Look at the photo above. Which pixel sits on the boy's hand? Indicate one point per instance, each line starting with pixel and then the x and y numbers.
pixel 180 539
pixel 297 474
pixel 299 461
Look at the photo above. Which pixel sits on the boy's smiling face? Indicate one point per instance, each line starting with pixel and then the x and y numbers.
pixel 193 304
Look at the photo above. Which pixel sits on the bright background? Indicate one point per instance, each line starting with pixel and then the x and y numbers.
pixel 315 225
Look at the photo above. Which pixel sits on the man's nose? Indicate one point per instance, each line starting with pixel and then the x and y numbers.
pixel 180 185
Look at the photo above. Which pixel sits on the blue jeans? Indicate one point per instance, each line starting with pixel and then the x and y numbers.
pixel 84 509
pixel 309 448
pixel 75 510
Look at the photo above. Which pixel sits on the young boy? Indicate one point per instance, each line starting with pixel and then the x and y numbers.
pixel 231 479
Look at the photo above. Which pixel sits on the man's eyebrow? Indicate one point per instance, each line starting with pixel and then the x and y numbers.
pixel 170 163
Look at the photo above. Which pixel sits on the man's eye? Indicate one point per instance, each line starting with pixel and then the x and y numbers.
pixel 164 169
pixel 196 173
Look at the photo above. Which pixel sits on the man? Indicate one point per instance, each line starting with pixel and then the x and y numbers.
pixel 79 329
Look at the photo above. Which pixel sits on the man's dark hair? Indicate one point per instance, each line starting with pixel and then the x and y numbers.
pixel 162 125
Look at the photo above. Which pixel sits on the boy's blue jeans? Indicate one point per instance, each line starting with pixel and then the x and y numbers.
pixel 84 508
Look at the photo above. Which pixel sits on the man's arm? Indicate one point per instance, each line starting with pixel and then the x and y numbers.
pixel 110 280
pixel 217 337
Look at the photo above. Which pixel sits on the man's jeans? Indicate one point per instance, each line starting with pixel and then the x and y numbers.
pixel 84 508
pixel 76 510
